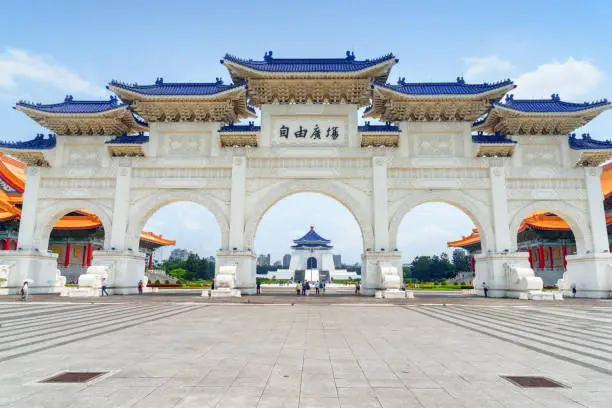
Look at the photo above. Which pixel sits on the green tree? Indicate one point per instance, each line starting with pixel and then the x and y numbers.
pixel 461 260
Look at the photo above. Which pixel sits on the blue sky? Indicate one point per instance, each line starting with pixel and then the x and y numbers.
pixel 50 49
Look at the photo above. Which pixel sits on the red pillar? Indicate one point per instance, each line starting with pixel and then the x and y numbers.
pixel 540 256
pixel 564 253
pixel 7 244
pixel 151 260
pixel 530 258
pixel 89 253
pixel 67 255
pixel 550 254
pixel 84 257
pixel 473 264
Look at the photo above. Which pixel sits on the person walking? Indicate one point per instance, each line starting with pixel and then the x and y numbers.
pixel 140 285
pixel 258 287
pixel 307 288
pixel 573 290
pixel 317 287
pixel 304 288
pixel 104 291
pixel 212 284
pixel 358 289
pixel 323 288
pixel 25 291
pixel 297 289
pixel 486 289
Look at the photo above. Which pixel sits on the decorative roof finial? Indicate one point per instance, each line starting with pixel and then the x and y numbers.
pixel 312 227
pixel 586 136
pixel 401 81
pixel 509 98
pixel 159 81
pixel 68 98
pixel 218 81
pixel 555 97
pixel 460 80
pixel 350 56
pixel 113 100
pixel 268 56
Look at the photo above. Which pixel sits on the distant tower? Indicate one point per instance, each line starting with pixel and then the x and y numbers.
pixel 286 261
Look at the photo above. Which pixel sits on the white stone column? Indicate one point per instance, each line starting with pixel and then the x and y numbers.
pixel 380 204
pixel 237 210
pixel 121 209
pixel 499 201
pixel 27 224
pixel 596 213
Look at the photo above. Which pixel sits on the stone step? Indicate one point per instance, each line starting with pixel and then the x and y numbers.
pixel 553 349
pixel 115 325
pixel 45 324
pixel 68 327
pixel 42 311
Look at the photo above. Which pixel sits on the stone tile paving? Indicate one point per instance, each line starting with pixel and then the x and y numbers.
pixel 194 354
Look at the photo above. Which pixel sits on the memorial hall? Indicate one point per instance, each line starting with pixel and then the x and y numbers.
pixel 278 126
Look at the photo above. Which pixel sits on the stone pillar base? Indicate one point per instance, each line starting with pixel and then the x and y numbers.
pixel 126 268
pixel 506 275
pixel 381 270
pixel 40 267
pixel 245 263
pixel 591 274
pixel 222 293
pixel 393 294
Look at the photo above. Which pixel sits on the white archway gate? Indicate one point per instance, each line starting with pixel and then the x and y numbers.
pixel 309 141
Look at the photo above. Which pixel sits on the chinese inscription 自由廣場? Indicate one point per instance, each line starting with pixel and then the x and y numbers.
pixel 302 132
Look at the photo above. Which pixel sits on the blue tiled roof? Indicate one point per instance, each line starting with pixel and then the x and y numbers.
pixel 160 88
pixel 298 246
pixel 38 143
pixel 71 106
pixel 312 238
pixel 496 138
pixel 251 127
pixel 347 64
pixel 458 87
pixel 554 104
pixel 586 143
pixel 387 127
pixel 140 138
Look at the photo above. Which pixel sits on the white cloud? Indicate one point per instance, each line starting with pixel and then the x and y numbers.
pixel 571 79
pixel 17 65
pixel 479 67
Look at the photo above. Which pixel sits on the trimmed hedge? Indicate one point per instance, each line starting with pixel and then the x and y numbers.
pixel 165 285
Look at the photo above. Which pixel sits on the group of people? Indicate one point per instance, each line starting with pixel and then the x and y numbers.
pixel 303 288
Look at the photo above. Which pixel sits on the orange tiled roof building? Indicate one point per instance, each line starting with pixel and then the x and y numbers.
pixel 546 237
pixel 74 237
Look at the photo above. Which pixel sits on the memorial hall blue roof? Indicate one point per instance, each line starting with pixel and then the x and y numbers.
pixel 347 64
pixel 311 239
pixel 161 88
pixel 129 139
pixel 459 87
pixel 71 106
pixel 251 127
pixel 496 138
pixel 38 143
pixel 552 105
pixel 387 127
pixel 587 143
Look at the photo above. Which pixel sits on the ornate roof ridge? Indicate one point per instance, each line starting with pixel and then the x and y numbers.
pixel 458 81
pixel 509 101
pixel 311 236
pixel 232 127
pixel 587 143
pixel 160 82
pixel 496 138
pixel 113 102
pixel 384 127
pixel 350 57
pixel 139 138
pixel 38 143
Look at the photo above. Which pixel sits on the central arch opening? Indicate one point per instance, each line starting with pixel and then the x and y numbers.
pixel 308 237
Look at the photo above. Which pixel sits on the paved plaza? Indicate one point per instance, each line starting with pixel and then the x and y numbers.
pixel 189 352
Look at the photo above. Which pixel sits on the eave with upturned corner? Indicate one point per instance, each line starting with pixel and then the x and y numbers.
pixel 539 116
pixel 307 80
pixel 73 117
pixel 436 101
pixel 189 102
pixel 386 135
pixel 233 135
pixel 588 152
pixel 496 145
